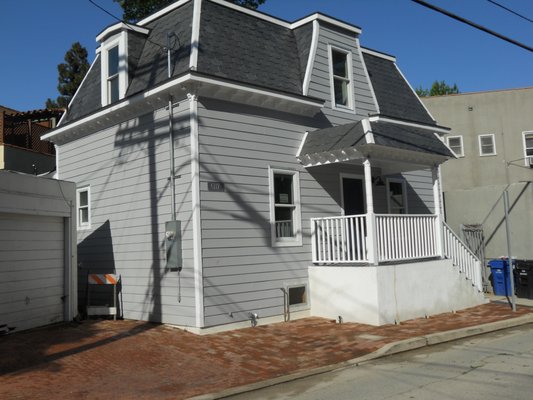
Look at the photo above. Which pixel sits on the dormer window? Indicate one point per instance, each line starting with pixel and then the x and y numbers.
pixel 112 75
pixel 114 60
pixel 341 79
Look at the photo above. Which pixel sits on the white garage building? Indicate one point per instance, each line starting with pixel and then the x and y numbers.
pixel 37 251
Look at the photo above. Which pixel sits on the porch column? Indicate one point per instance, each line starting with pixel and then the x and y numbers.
pixel 438 210
pixel 372 246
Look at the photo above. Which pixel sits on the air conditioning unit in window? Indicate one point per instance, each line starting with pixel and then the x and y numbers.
pixel 530 161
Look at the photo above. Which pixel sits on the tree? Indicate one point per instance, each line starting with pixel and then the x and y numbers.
pixel 437 89
pixel 135 10
pixel 71 73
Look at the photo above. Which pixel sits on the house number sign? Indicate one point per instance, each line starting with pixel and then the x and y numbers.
pixel 215 187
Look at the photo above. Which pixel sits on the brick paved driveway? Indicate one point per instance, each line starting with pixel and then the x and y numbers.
pixel 131 359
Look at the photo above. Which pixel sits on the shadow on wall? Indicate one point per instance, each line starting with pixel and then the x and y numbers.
pixel 96 256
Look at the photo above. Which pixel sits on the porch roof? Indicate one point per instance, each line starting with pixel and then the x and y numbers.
pixel 377 136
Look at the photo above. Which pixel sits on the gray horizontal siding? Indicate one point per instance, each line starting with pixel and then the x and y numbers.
pixel 242 272
pixel 127 168
pixel 320 87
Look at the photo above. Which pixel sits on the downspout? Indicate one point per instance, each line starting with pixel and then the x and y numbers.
pixel 172 177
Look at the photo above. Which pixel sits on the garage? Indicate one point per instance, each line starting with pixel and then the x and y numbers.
pixel 36 251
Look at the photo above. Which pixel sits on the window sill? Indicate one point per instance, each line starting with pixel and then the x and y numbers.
pixel 488 155
pixel 346 110
pixel 297 242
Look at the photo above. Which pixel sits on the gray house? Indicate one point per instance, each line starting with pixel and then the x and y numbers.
pixel 232 166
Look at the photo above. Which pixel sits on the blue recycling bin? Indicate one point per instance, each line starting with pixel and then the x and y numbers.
pixel 501 282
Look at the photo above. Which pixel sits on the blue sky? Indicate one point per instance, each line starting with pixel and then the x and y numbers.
pixel 36 34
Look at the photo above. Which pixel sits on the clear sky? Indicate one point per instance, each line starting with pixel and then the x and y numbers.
pixel 428 46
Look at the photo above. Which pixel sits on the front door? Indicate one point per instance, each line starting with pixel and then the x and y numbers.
pixel 353 195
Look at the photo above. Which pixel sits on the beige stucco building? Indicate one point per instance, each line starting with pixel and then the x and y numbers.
pixel 492 135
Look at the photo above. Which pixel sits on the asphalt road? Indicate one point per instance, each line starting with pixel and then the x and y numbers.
pixel 495 366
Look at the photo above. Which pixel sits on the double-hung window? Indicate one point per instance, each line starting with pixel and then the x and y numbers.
pixel 340 79
pixel 83 207
pixel 285 220
pixel 113 92
pixel 487 147
pixel 528 147
pixel 455 143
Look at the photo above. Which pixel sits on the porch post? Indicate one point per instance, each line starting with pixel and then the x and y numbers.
pixel 372 246
pixel 438 211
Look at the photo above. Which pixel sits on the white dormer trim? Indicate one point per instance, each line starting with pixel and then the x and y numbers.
pixel 311 59
pixel 121 26
pixel 360 50
pixel 120 40
pixel 195 35
pixel 378 54
pixel 329 20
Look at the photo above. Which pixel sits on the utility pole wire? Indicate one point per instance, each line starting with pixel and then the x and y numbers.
pixel 508 9
pixel 473 24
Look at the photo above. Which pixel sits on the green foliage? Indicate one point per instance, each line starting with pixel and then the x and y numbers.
pixel 135 10
pixel 71 73
pixel 437 89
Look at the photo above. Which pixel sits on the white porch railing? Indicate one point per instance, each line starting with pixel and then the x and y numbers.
pixel 337 240
pixel 284 229
pixel 462 257
pixel 406 237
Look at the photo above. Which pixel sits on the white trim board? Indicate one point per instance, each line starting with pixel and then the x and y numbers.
pixel 311 59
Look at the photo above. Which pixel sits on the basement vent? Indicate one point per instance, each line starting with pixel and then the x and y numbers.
pixel 297 295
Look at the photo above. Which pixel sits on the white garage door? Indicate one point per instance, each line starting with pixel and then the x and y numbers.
pixel 31 270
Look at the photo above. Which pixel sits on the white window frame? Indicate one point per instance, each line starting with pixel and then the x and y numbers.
pixel 493 145
pixel 83 225
pixel 460 137
pixel 351 103
pixel 120 40
pixel 526 157
pixel 297 219
pixel 388 181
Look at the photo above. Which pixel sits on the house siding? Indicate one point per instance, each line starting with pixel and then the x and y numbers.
pixel 242 271
pixel 320 82
pixel 127 168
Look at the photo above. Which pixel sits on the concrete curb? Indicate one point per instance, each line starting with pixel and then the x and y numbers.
pixel 387 350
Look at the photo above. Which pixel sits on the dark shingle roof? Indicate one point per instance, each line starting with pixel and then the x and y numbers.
pixel 395 97
pixel 89 96
pixel 247 49
pixel 334 138
pixel 388 134
pixel 408 138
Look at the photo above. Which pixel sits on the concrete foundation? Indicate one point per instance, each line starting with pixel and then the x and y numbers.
pixel 385 294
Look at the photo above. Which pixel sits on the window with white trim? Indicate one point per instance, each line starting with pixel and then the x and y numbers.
pixel 341 79
pixel 487 147
pixel 528 147
pixel 455 143
pixel 396 196
pixel 114 69
pixel 285 220
pixel 112 74
pixel 83 207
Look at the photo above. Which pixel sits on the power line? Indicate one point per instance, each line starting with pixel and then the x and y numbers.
pixel 164 48
pixel 511 11
pixel 473 24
